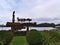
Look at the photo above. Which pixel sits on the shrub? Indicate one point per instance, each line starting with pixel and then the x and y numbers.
pixel 5 37
pixel 34 37
pixel 1 43
pixel 55 36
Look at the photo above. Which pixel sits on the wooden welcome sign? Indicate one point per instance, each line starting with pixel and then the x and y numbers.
pixel 16 25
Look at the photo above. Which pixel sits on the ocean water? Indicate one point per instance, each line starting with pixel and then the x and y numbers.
pixel 5 28
pixel 37 28
pixel 40 28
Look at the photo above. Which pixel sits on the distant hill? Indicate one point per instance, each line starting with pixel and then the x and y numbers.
pixel 57 24
pixel 44 25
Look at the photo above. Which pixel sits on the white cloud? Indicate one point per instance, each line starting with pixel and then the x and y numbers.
pixel 30 8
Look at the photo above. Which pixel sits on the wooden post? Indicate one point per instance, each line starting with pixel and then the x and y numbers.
pixel 27 27
pixel 12 31
pixel 13 21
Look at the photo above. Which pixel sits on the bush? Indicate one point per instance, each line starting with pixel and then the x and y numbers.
pixel 50 37
pixel 1 43
pixel 5 37
pixel 55 36
pixel 34 37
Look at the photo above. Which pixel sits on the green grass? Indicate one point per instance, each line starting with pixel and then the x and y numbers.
pixel 19 40
pixel 53 36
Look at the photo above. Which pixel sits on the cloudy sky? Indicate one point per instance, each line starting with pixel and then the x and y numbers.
pixel 38 10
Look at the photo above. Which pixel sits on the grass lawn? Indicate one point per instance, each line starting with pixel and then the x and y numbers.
pixel 19 40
